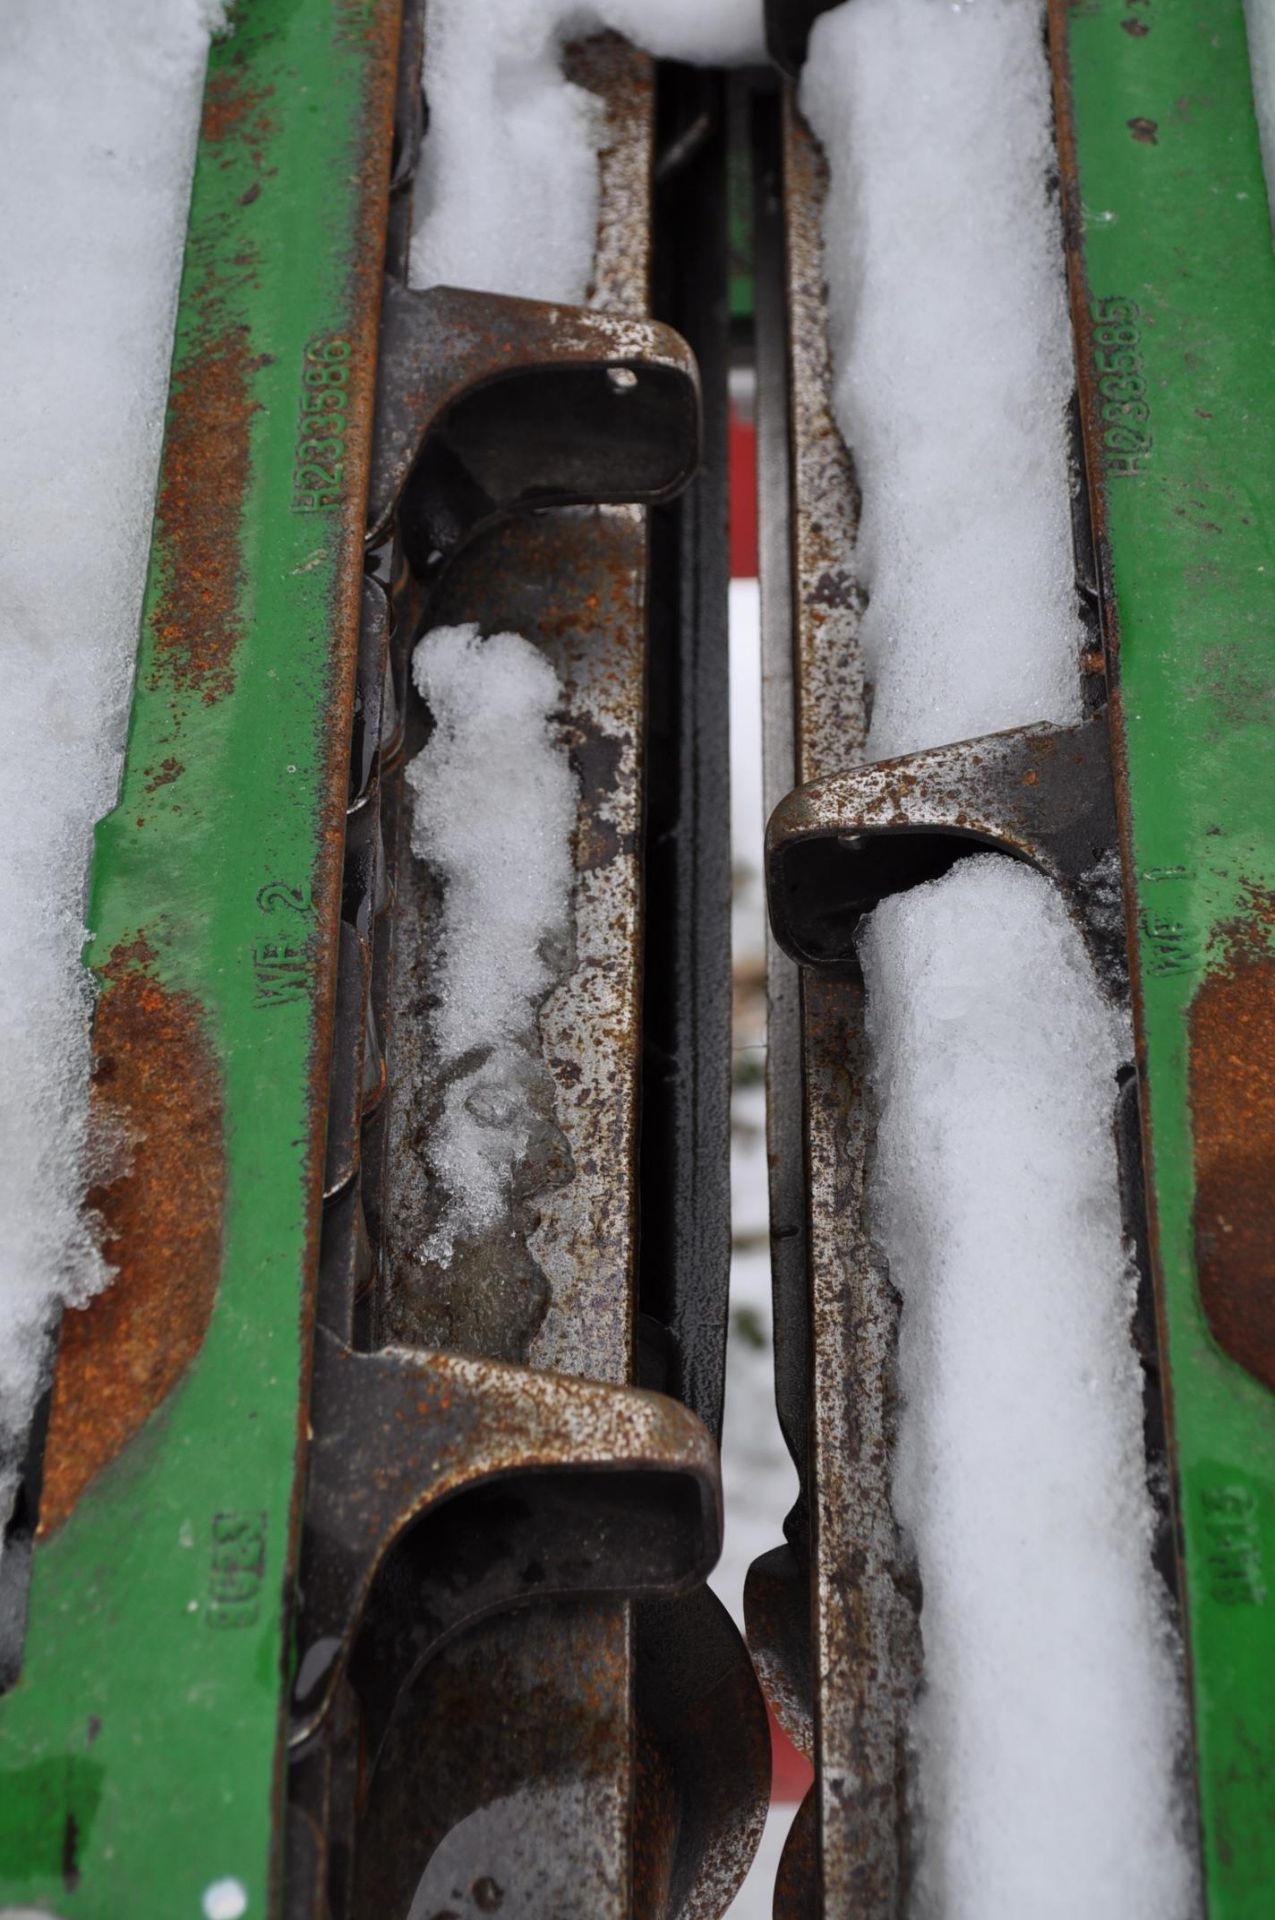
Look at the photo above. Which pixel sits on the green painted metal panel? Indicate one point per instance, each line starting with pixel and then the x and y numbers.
pixel 141 1749
pixel 1175 309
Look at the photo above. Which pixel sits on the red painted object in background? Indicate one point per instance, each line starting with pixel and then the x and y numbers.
pixel 743 498
pixel 791 1774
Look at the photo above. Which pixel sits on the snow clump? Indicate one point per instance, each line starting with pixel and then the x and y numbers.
pixel 507 194
pixel 494 812
pixel 1051 1711
pixel 952 348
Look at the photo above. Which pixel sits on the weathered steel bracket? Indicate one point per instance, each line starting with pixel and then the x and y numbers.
pixel 488 411
pixel 489 405
pixel 837 848
pixel 398 1434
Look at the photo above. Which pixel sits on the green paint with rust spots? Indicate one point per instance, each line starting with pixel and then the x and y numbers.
pixel 141 1748
pixel 1176 317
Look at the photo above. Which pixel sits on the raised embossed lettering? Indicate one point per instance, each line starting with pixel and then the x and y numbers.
pixel 238 1568
pixel 1234 1557
pixel 318 474
pixel 281 972
pixel 1122 389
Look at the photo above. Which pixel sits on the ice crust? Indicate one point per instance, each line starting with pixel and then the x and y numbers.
pixel 1052 1718
pixel 494 803
pixel 507 196
pixel 96 150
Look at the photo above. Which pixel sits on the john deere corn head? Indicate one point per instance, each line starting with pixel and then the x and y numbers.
pixel 343 1585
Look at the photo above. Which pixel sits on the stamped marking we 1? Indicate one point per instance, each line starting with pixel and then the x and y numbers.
pixel 1171 946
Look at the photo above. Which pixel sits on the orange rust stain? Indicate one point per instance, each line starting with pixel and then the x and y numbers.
pixel 156 1087
pixel 197 624
pixel 1232 1091
pixel 236 115
pixel 226 106
pixel 169 769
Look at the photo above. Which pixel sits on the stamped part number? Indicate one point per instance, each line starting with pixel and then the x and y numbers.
pixel 1122 387
pixel 1169 944
pixel 238 1568
pixel 318 472
pixel 1234 1557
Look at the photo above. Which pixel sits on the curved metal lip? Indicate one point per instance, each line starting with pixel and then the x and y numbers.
pixel 460 1425
pixel 1039 794
pixel 444 348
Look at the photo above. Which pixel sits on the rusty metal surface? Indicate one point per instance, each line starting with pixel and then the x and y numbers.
pixel 777 1613
pixel 525 1796
pixel 531 1822
pixel 493 404
pixel 485 1313
pixel 1042 794
pixel 197 514
pixel 198 618
pixel 836 847
pixel 157 1109
pixel 560 1289
pixel 575 583
pixel 866 1634
pixel 848 1848
pixel 797 1881
pixel 832 710
pixel 622 80
pixel 703 1747
pixel 401 1435
pixel 409 129
pixel 1231 1054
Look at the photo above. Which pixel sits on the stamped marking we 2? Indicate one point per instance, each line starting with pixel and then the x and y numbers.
pixel 281 965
